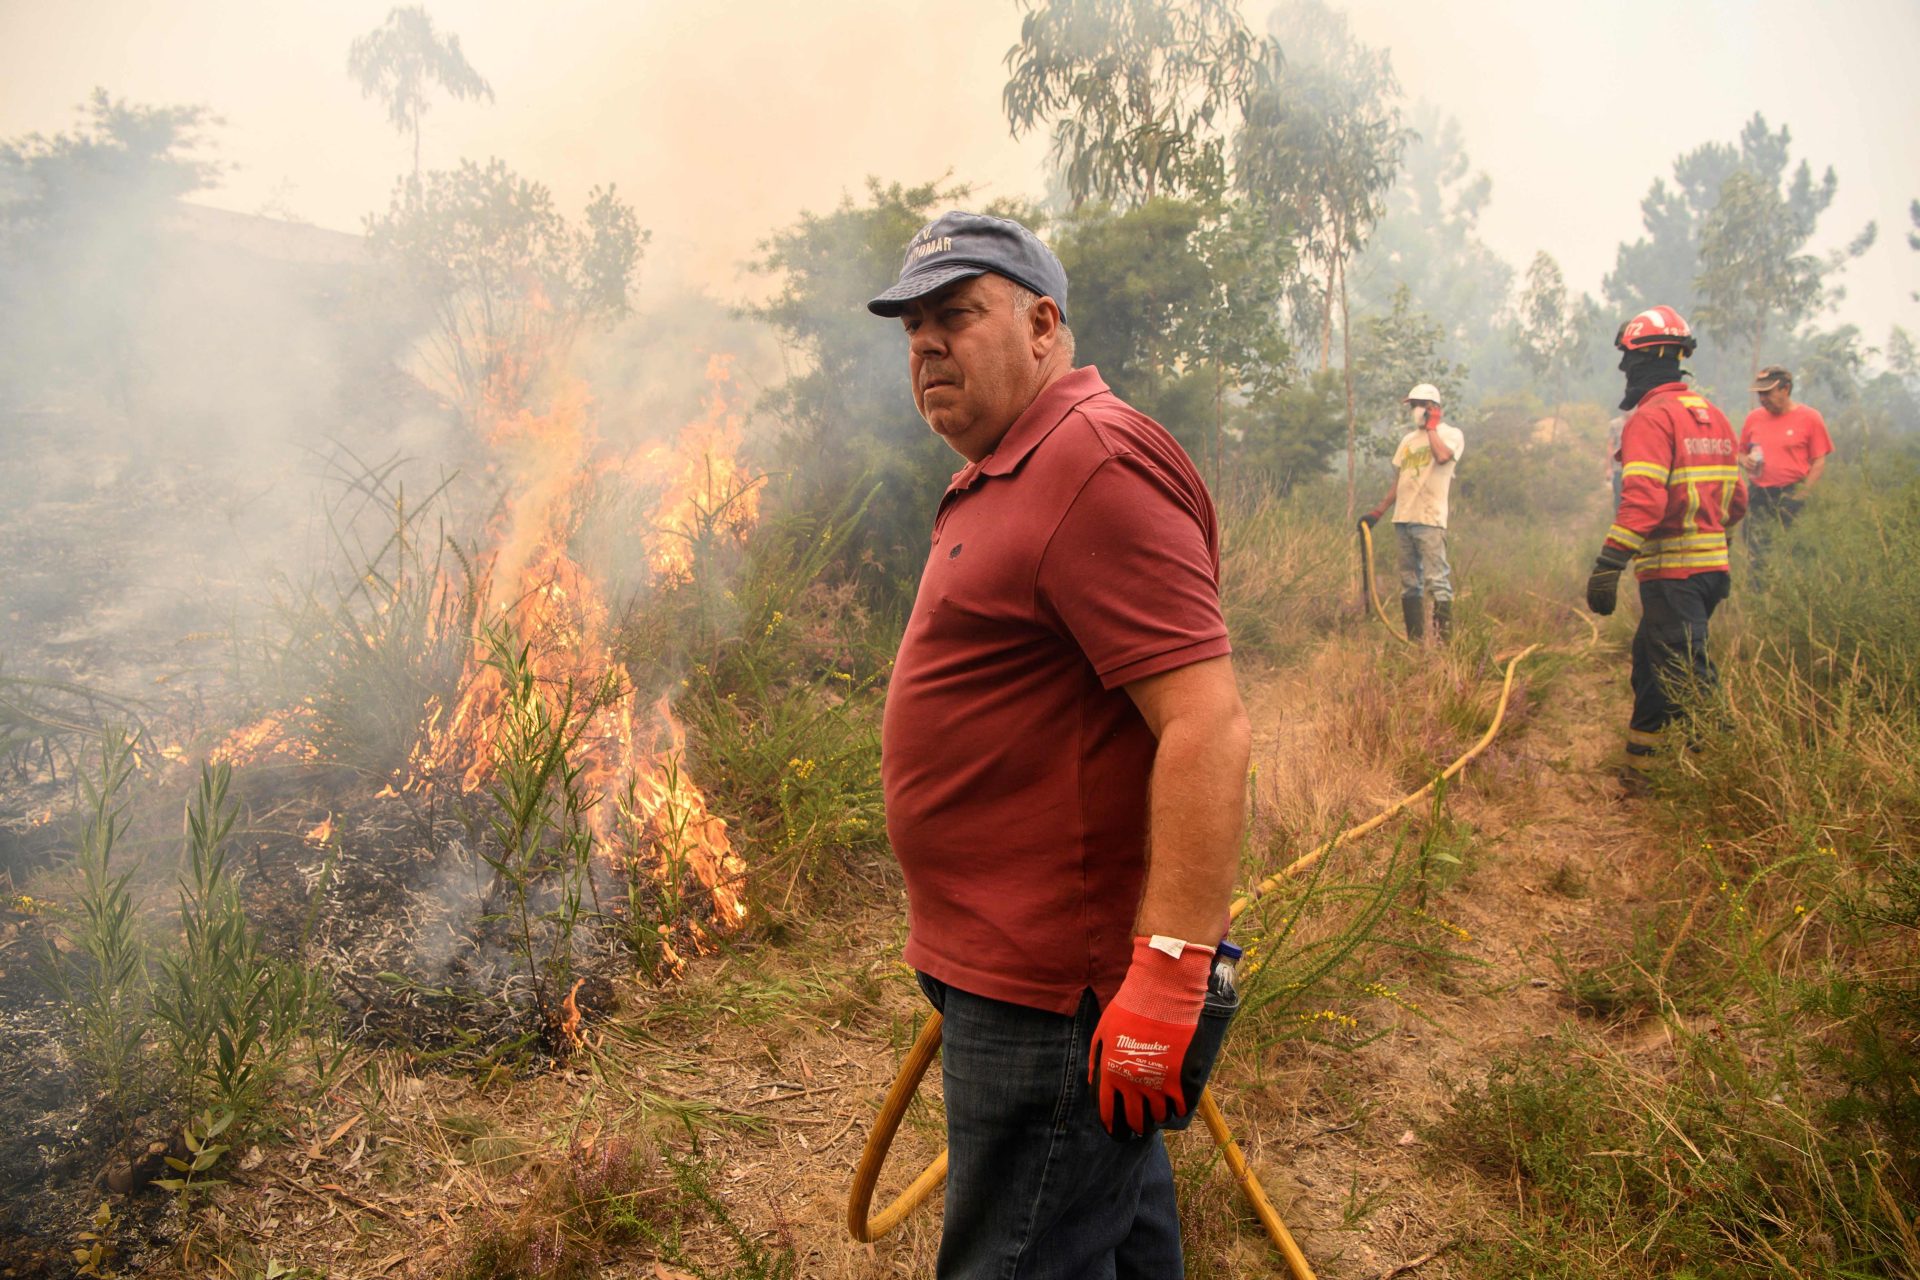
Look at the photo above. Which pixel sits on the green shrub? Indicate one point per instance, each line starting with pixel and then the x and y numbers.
pixel 100 974
pixel 231 1014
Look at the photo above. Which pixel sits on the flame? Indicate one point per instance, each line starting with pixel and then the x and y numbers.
pixel 278 734
pixel 708 493
pixel 322 833
pixel 570 1020
pixel 652 817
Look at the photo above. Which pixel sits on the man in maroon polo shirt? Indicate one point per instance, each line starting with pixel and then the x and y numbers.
pixel 1064 756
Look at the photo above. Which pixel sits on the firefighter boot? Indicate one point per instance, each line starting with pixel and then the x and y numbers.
pixel 1443 620
pixel 1414 610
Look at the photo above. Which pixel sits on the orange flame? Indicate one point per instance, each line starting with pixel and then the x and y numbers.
pixel 560 614
pixel 570 1019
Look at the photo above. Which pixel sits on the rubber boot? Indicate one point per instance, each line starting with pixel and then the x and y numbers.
pixel 1443 620
pixel 1413 609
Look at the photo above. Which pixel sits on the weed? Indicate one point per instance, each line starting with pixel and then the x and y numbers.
pixel 578 1210
pixel 232 1013
pixel 102 979
pixel 203 1153
pixel 752 1261
pixel 95 1252
pixel 47 718
pixel 363 648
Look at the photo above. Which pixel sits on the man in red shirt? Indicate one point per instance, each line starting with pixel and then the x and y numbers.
pixel 1680 493
pixel 1783 452
pixel 1064 758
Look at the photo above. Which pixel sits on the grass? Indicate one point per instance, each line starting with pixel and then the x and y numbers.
pixel 1773 1125
pixel 364 646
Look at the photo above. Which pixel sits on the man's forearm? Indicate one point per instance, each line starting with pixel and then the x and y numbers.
pixel 1814 473
pixel 1197 811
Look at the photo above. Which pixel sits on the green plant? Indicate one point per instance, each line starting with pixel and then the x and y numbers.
pixel 47 718
pixel 782 711
pixel 542 848
pixel 101 979
pixel 95 1252
pixel 203 1153
pixel 231 1013
pixel 751 1261
pixel 1315 948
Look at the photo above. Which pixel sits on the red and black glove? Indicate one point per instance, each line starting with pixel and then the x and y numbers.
pixel 1140 1044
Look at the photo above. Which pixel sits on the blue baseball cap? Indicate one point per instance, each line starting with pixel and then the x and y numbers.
pixel 958 246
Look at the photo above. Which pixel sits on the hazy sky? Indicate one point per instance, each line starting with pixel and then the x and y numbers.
pixel 721 122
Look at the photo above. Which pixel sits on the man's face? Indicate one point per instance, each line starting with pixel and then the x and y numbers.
pixel 973 362
pixel 1776 400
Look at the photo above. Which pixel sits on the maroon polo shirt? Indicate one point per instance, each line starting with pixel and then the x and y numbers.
pixel 1079 556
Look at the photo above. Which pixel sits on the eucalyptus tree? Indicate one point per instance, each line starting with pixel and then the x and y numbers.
pixel 1138 94
pixel 1552 332
pixel 1757 280
pixel 1322 141
pixel 400 60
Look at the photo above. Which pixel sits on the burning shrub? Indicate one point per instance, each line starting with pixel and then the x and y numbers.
pixel 543 859
pixel 381 635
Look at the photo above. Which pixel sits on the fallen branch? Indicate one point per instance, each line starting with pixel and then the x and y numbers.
pixel 1416 1263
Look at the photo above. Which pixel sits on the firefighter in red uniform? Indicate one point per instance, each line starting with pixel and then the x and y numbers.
pixel 1680 492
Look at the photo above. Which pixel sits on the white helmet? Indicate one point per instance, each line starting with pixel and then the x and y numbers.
pixel 1425 391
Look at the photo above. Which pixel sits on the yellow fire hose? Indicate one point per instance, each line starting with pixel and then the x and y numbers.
pixel 1371 587
pixel 867 1228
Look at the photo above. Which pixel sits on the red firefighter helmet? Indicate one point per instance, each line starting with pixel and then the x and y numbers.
pixel 1655 327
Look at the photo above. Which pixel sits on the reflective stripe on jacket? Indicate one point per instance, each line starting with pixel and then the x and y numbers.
pixel 1680 488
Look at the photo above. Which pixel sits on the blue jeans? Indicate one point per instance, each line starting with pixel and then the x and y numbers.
pixel 1423 562
pixel 1036 1188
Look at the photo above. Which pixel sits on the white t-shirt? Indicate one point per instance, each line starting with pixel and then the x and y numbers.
pixel 1421 497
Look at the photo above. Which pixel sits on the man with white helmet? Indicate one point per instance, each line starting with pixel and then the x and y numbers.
pixel 1424 462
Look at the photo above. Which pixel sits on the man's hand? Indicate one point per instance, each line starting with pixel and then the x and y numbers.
pixel 1370 519
pixel 1141 1041
pixel 1603 583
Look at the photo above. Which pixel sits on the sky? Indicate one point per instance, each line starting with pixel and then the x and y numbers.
pixel 721 123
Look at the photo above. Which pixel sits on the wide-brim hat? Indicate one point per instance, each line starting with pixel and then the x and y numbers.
pixel 1772 376
pixel 958 246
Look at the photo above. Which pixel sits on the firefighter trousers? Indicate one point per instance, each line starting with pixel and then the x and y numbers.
pixel 1670 664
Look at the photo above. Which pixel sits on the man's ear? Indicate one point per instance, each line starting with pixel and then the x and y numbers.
pixel 1043 325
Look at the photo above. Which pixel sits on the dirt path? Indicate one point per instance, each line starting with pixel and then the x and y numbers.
pixel 1554 866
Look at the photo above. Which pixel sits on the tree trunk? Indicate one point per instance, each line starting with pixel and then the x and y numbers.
pixel 1219 381
pixel 1326 329
pixel 1346 361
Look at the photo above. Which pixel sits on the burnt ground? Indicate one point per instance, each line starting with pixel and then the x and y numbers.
pixel 132 580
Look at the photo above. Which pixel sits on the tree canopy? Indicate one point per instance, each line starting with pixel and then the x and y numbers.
pixel 1137 93
pixel 400 60
pixel 503 275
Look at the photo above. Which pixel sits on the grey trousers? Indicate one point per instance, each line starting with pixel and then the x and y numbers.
pixel 1423 561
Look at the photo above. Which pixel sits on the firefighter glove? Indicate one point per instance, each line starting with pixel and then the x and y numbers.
pixel 1603 584
pixel 1140 1044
